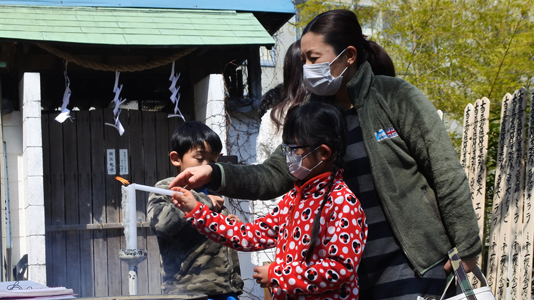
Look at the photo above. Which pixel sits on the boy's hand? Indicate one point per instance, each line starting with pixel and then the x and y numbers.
pixel 193 177
pixel 261 274
pixel 185 202
pixel 218 202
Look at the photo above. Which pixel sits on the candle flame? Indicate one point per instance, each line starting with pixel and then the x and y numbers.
pixel 122 180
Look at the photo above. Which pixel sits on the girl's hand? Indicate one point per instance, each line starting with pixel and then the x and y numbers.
pixel 193 177
pixel 261 274
pixel 185 202
pixel 234 217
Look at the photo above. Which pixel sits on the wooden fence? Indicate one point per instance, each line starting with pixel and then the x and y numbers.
pixel 509 238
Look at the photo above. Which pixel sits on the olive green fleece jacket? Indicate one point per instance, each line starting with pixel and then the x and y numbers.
pixel 421 185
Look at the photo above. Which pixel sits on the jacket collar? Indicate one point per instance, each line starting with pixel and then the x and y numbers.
pixel 360 85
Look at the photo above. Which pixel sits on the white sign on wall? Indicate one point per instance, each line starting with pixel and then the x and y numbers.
pixel 111 162
pixel 123 161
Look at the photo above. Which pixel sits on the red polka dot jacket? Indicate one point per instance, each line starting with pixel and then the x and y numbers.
pixel 332 271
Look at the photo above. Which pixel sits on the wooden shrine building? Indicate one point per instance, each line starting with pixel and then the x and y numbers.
pixel 59 196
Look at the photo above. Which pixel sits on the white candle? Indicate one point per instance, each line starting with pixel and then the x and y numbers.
pixel 154 190
pixel 129 210
pixel 129 215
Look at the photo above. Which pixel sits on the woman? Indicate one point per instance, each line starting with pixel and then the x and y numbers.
pixel 400 163
pixel 292 93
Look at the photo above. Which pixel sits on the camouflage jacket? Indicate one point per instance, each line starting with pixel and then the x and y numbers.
pixel 192 263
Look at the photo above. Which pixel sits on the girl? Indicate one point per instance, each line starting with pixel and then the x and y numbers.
pixel 319 229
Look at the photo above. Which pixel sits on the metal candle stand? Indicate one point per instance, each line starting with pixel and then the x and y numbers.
pixel 133 257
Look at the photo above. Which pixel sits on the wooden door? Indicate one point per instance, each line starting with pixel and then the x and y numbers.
pixel 83 198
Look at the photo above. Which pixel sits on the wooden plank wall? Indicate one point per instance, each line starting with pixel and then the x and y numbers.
pixel 80 195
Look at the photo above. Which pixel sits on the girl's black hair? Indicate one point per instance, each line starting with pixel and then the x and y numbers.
pixel 194 134
pixel 340 28
pixel 314 124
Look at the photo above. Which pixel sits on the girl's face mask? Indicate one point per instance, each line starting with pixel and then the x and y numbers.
pixel 294 163
pixel 318 79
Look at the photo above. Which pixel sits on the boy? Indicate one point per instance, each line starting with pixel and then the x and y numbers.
pixel 192 263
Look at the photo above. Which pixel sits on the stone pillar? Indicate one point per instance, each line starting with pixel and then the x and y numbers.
pixel 209 105
pixel 31 196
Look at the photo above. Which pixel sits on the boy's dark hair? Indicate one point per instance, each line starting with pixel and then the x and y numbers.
pixel 194 134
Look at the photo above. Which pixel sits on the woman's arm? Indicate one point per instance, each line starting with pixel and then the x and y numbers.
pixel 430 145
pixel 264 181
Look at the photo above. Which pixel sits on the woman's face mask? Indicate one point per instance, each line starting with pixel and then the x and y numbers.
pixel 294 163
pixel 318 79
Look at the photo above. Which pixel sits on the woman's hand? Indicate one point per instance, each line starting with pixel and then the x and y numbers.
pixel 469 265
pixel 186 201
pixel 261 274
pixel 193 177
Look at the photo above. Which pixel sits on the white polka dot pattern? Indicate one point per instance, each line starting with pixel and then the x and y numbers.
pixel 331 274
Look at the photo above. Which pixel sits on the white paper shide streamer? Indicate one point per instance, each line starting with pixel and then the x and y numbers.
pixel 175 96
pixel 65 112
pixel 117 101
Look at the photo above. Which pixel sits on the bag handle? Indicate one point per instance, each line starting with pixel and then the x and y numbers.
pixel 463 281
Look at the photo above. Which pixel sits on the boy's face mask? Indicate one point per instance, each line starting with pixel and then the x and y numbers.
pixel 294 163
pixel 319 80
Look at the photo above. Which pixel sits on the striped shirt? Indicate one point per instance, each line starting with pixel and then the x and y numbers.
pixel 385 272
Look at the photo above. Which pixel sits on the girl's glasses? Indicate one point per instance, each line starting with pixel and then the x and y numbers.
pixel 288 149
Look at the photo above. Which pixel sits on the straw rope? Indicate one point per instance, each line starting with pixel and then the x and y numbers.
pixel 110 67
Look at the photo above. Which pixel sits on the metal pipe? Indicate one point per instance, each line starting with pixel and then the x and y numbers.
pixel 9 241
pixel 133 257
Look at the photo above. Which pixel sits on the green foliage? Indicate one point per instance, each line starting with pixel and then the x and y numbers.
pixel 455 51
pixel 306 11
pixel 460 51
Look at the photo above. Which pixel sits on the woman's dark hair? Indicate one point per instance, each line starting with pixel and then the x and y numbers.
pixel 293 90
pixel 194 134
pixel 270 99
pixel 318 123
pixel 340 28
pixel 380 61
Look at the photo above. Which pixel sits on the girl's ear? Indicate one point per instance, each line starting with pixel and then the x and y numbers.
pixel 325 152
pixel 175 159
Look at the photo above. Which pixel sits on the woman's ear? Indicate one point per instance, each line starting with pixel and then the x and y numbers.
pixel 175 159
pixel 325 152
pixel 352 55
